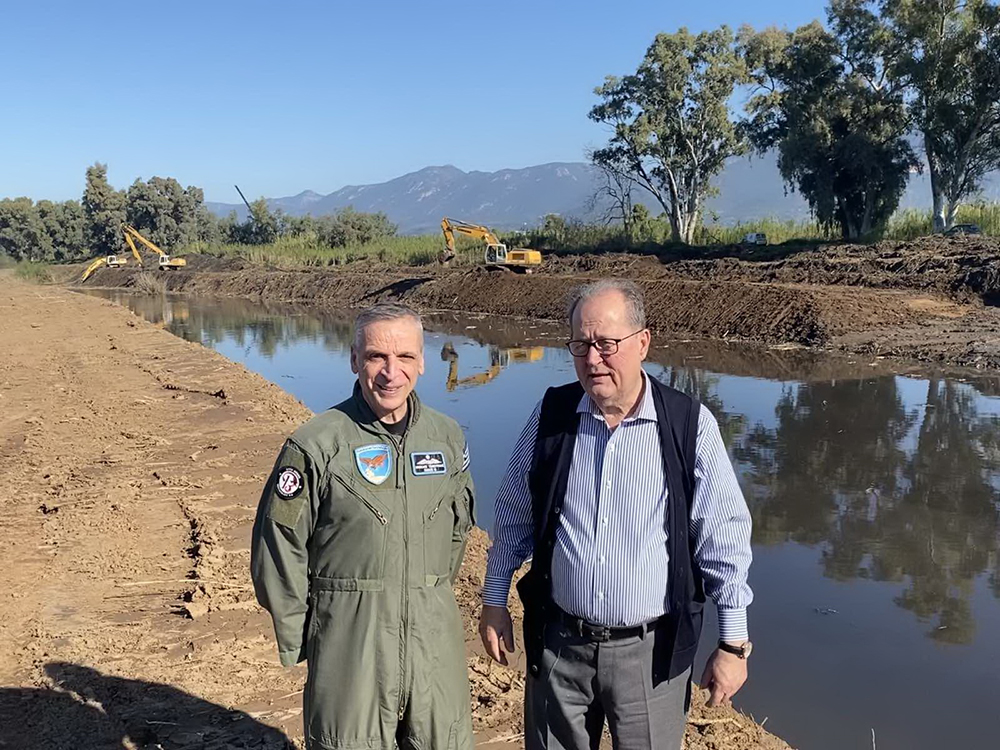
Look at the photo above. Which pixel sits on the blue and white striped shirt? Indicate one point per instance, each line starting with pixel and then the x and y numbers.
pixel 609 565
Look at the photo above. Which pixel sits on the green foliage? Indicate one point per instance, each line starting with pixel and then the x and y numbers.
pixel 45 231
pixel 167 214
pixel 951 64
pixel 104 210
pixel 347 228
pixel 672 128
pixel 33 271
pixel 826 101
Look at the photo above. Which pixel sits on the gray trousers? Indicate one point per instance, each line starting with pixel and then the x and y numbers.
pixel 581 683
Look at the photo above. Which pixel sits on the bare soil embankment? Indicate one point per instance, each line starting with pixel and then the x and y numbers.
pixel 932 300
pixel 131 466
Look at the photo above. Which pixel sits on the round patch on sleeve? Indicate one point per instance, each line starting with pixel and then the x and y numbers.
pixel 289 483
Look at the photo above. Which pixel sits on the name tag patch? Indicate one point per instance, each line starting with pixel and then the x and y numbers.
pixel 428 463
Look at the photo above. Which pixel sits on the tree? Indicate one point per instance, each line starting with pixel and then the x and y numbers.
pixel 672 128
pixel 104 212
pixel 350 227
pixel 827 101
pixel 612 200
pixel 166 213
pixel 952 66
pixel 63 223
pixel 22 235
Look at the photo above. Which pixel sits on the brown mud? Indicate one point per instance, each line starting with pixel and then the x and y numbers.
pixel 130 466
pixel 931 300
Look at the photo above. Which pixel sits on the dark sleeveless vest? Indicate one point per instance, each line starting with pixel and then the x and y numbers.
pixel 677 415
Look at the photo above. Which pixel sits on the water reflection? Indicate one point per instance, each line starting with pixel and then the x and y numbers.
pixel 500 358
pixel 887 493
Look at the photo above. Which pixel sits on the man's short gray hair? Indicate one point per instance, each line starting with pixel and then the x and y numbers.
pixel 384 311
pixel 635 308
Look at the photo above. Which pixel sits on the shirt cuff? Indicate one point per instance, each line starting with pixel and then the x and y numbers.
pixel 496 591
pixel 733 624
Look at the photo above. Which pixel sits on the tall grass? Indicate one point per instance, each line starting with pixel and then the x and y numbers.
pixel 306 252
pixel 33 271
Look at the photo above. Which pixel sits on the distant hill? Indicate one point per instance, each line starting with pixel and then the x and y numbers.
pixel 749 188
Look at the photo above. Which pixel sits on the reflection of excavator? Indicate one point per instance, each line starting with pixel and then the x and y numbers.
pixel 499 359
pixel 164 261
pixel 519 258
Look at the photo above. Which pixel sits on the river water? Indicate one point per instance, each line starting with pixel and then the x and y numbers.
pixel 875 498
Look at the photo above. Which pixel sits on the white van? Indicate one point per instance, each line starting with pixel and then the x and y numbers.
pixel 755 238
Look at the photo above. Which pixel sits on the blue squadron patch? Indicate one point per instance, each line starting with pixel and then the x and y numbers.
pixel 428 463
pixel 374 462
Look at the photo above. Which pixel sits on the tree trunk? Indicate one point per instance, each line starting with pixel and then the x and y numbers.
pixel 937 189
pixel 952 212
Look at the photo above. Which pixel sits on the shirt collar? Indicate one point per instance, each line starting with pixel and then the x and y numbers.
pixel 646 410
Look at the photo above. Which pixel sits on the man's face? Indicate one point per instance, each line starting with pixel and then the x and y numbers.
pixel 388 358
pixel 610 378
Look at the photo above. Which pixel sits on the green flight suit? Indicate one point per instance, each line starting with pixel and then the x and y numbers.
pixel 358 537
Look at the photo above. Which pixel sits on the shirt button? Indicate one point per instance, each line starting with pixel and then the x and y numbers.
pixel 602 559
pixel 611 448
pixel 600 594
pixel 608 485
pixel 605 520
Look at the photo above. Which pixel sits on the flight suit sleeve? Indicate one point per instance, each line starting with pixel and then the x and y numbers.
pixel 279 554
pixel 465 505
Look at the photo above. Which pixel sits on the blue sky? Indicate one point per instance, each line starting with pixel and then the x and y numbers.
pixel 283 97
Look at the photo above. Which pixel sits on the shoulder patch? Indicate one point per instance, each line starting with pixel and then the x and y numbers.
pixel 289 483
pixel 465 457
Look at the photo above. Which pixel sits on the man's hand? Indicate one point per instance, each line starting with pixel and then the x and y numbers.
pixel 724 675
pixel 495 626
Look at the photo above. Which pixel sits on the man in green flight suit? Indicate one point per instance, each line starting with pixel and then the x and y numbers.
pixel 359 534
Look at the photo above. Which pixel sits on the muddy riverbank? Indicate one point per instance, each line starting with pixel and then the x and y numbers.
pixel 132 463
pixel 932 300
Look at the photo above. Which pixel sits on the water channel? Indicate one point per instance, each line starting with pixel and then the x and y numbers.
pixel 875 498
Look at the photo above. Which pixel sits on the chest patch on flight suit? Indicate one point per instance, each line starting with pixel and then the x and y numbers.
pixel 428 463
pixel 289 483
pixel 374 462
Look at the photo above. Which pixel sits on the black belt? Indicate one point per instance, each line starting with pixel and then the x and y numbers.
pixel 600 633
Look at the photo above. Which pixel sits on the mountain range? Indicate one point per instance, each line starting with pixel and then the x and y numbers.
pixel 748 188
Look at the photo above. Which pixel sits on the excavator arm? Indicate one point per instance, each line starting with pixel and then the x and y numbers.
pixel 164 260
pixel 450 226
pixel 93 267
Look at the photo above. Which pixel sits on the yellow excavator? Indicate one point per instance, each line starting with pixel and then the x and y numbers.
pixel 500 357
pixel 164 261
pixel 497 254
pixel 111 261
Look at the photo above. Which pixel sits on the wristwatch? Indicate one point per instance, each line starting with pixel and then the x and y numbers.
pixel 742 651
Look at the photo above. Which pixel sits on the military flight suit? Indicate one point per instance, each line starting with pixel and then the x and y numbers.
pixel 358 537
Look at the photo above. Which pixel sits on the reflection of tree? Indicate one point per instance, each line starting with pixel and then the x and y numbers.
pixel 262 327
pixel 833 441
pixel 838 471
pixel 703 386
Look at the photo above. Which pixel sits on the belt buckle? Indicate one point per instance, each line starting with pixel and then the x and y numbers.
pixel 597 633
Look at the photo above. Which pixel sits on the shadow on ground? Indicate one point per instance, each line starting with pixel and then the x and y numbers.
pixel 84 709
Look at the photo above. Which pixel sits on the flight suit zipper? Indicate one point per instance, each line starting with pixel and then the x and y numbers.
pixel 405 595
pixel 367 503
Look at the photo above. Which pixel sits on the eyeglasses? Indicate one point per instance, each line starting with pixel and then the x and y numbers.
pixel 605 347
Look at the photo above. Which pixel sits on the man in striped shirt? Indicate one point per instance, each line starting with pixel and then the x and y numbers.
pixel 599 478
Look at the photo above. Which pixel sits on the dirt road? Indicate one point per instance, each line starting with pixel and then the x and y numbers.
pixel 131 467
pixel 932 300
